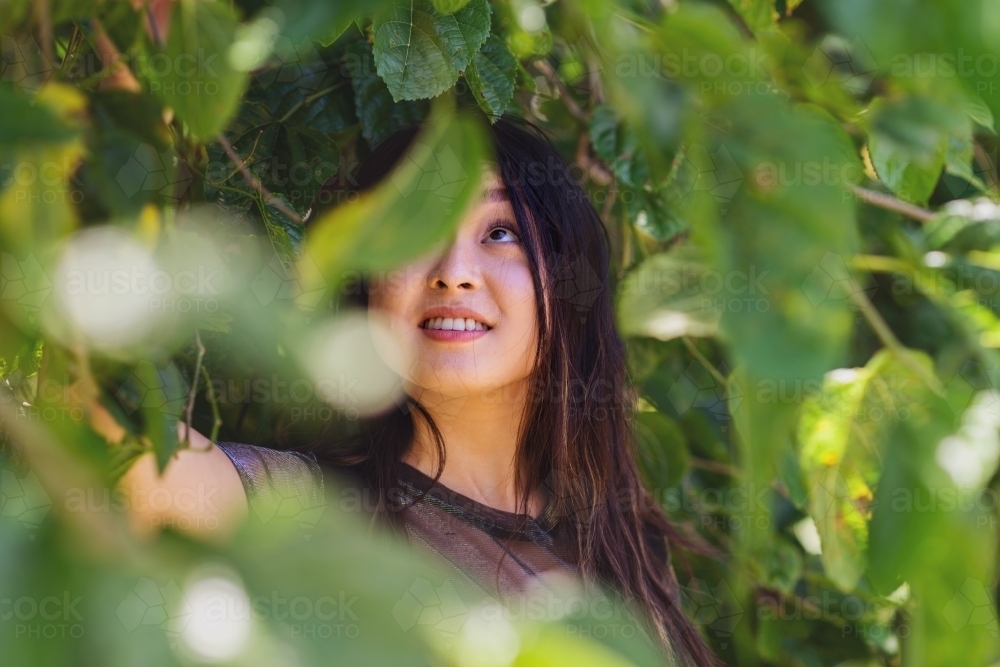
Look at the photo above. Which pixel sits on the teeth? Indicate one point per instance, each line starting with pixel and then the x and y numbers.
pixel 454 324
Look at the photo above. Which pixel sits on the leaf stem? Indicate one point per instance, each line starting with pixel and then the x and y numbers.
pixel 571 104
pixel 189 408
pixel 890 203
pixel 213 401
pixel 254 183
pixel 888 338
pixel 309 99
pixel 696 353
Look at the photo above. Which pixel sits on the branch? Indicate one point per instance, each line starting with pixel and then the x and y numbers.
pixel 984 162
pixel 214 402
pixel 254 183
pixel 545 68
pixel 44 18
pixel 696 353
pixel 891 203
pixel 888 338
pixel 716 467
pixel 189 408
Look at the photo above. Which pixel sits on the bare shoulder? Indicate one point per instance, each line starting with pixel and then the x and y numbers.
pixel 199 492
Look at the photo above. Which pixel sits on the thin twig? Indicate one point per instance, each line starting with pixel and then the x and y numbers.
pixel 189 408
pixel 214 402
pixel 571 104
pixel 69 48
pixel 44 19
pixel 715 466
pixel 154 28
pixel 254 183
pixel 696 353
pixel 984 162
pixel 309 99
pixel 888 338
pixel 879 264
pixel 891 203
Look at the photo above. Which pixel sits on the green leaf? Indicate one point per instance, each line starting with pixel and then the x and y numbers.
pixel 837 433
pixel 321 20
pixel 196 77
pixel 908 143
pixel 36 211
pixel 979 112
pixel 662 450
pixel 776 236
pixel 933 528
pixel 758 14
pixel 964 38
pixel 411 210
pixel 664 298
pixel 380 116
pixel 420 53
pixel 159 393
pixel 491 77
pixel 449 6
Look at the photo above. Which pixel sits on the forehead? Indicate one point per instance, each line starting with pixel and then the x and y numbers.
pixel 492 192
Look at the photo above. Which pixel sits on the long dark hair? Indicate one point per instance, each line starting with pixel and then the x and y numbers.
pixel 576 438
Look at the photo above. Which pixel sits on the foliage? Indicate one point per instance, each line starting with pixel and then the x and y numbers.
pixel 802 201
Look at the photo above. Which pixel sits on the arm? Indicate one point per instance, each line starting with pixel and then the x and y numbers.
pixel 199 492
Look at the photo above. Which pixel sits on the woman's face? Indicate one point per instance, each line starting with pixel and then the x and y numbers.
pixel 466 313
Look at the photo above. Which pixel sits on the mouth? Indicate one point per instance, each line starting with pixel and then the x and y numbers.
pixel 454 324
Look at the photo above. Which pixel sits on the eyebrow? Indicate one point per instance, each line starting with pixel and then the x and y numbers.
pixel 495 196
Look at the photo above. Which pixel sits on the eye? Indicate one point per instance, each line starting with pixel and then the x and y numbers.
pixel 500 232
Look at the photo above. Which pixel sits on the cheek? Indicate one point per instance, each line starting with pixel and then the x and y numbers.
pixel 394 293
pixel 516 297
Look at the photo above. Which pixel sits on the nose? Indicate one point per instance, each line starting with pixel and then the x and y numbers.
pixel 455 269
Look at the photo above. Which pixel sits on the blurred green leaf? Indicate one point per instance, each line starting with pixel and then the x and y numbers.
pixel 838 432
pixel 413 209
pixel 909 143
pixel 665 298
pixel 199 81
pixel 758 14
pixel 662 450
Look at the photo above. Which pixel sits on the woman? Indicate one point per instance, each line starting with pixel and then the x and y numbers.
pixel 512 455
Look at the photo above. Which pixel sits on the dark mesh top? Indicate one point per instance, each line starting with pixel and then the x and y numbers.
pixel 500 552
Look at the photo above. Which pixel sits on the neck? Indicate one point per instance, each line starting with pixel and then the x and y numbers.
pixel 480 434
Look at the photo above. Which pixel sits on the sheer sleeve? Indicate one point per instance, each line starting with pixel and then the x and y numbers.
pixel 278 483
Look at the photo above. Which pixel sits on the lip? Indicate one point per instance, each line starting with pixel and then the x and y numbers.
pixel 453 312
